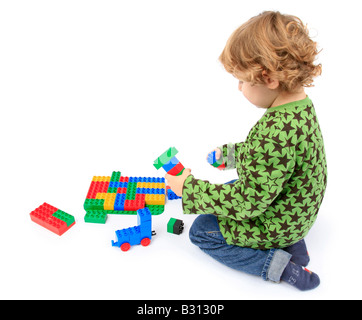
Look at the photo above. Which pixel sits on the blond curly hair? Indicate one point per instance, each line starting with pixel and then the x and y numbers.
pixel 277 44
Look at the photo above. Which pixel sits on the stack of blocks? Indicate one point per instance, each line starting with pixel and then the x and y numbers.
pixel 52 218
pixel 123 195
pixel 211 159
pixel 175 226
pixel 169 162
pixel 140 234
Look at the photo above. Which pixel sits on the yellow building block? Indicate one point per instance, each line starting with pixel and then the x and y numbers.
pixel 155 199
pixel 101 195
pixel 101 178
pixel 109 201
pixel 149 185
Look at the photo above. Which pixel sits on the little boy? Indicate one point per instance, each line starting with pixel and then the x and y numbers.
pixel 257 223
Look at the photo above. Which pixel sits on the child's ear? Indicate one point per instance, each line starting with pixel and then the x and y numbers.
pixel 270 82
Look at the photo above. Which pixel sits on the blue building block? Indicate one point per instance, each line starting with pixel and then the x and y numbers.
pixel 135 235
pixel 122 237
pixel 169 165
pixel 144 221
pixel 150 190
pixel 146 230
pixel 211 158
pixel 119 202
pixel 143 215
pixel 117 184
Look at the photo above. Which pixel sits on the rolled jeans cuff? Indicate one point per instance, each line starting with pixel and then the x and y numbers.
pixel 275 264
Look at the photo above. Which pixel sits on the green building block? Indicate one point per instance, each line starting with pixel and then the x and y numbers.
pixel 165 157
pixel 115 176
pixel 155 209
pixel 95 216
pixel 67 218
pixel 120 212
pixel 180 173
pixel 93 204
pixel 175 226
pixel 131 191
pixel 218 163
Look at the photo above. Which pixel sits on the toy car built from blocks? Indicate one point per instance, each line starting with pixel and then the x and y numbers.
pixel 140 234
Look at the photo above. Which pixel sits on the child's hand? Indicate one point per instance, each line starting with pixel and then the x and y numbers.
pixel 218 154
pixel 176 183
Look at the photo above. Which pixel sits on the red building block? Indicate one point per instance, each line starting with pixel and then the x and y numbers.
pixel 138 203
pixel 43 216
pixel 176 169
pixel 221 167
pixel 122 190
pixel 96 187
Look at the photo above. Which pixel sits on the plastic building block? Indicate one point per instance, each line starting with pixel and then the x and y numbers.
pixel 171 195
pixel 67 218
pixel 119 202
pixel 155 209
pixel 211 159
pixel 109 201
pixel 140 234
pixel 101 179
pixel 165 157
pixel 115 176
pixel 155 199
pixel 123 195
pixel 169 162
pixel 52 218
pixel 133 205
pixel 177 170
pixel 96 216
pixel 175 226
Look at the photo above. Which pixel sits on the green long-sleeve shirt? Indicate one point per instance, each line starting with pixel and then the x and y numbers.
pixel 282 180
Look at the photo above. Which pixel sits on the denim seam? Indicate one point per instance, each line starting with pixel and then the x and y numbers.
pixel 264 273
pixel 216 235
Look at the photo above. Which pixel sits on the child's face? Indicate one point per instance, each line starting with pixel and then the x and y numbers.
pixel 259 95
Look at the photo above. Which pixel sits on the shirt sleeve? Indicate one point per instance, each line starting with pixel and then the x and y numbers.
pixel 229 153
pixel 263 171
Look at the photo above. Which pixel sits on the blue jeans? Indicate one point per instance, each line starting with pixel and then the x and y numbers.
pixel 269 264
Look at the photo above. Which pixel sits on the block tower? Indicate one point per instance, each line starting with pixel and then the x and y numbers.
pixel 169 162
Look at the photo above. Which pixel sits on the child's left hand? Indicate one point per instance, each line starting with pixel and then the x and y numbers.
pixel 176 183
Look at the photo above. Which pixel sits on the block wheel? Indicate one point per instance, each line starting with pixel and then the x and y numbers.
pixel 145 241
pixel 125 246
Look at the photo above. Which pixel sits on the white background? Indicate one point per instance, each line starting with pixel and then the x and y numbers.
pixel 91 87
